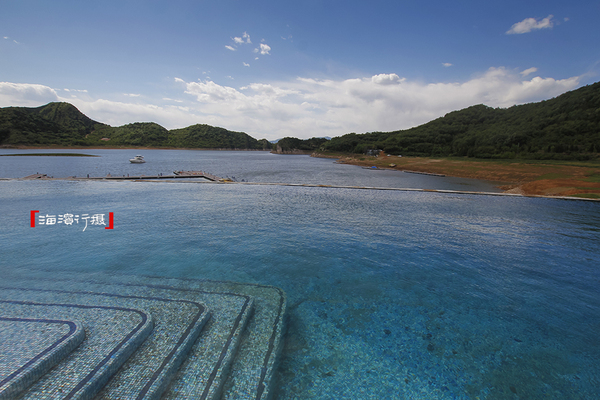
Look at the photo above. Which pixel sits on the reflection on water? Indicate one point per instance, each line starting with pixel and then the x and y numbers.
pixel 391 294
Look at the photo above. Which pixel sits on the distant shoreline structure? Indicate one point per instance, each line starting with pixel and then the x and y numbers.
pixel 216 180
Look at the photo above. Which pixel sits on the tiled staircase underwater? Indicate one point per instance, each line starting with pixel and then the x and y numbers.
pixel 100 336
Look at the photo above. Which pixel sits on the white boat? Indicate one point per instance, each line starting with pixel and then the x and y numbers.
pixel 137 160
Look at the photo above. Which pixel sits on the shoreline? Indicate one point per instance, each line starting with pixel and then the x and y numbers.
pixel 150 179
pixel 525 177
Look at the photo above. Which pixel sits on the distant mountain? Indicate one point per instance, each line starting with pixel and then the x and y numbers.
pixel 322 137
pixel 290 145
pixel 565 127
pixel 54 123
pixel 62 124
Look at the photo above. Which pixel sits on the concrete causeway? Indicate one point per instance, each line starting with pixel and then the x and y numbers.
pixel 176 175
pixel 214 179
pixel 66 335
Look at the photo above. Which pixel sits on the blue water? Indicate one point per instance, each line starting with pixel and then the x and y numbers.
pixel 391 294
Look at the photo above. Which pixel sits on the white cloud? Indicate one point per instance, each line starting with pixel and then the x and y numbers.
pixel 241 40
pixel 529 24
pixel 528 71
pixel 131 94
pixel 14 41
pixel 264 49
pixel 210 92
pixel 446 65
pixel 230 48
pixel 117 113
pixel 245 64
pixel 386 79
pixel 26 94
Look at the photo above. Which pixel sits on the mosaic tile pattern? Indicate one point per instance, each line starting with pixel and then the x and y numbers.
pixel 234 356
pixel 177 325
pixel 29 347
pixel 112 334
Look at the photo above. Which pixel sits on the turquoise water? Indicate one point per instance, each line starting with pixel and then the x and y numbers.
pixel 391 294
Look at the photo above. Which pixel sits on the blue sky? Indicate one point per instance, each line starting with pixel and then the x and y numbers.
pixel 301 68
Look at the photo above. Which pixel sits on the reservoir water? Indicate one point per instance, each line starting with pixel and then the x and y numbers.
pixel 391 294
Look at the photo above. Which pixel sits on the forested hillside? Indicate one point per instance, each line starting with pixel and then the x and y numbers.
pixel 54 123
pixel 566 127
pixel 292 145
pixel 61 124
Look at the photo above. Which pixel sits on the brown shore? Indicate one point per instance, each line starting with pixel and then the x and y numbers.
pixel 527 177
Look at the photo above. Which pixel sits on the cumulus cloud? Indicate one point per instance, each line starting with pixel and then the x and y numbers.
pixel 210 92
pixel 264 49
pixel 446 65
pixel 230 48
pixel 529 24
pixel 245 64
pixel 26 94
pixel 386 79
pixel 241 40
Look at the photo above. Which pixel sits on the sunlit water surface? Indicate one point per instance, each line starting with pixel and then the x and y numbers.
pixel 391 294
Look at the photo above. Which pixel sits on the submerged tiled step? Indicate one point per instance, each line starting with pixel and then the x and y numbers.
pixel 223 363
pixel 87 369
pixel 29 347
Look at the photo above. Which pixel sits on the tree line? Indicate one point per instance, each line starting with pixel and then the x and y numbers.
pixel 565 127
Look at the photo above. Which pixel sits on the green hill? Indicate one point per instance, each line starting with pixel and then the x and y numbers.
pixel 291 145
pixel 566 127
pixel 206 136
pixel 54 123
pixel 61 124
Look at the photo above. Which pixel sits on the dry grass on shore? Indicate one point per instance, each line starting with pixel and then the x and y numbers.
pixel 545 178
